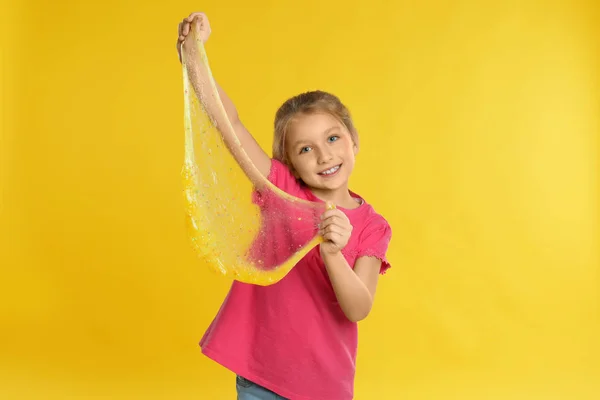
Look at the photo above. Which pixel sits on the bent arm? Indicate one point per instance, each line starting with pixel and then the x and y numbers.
pixel 354 288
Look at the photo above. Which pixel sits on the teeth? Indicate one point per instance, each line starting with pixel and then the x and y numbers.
pixel 330 171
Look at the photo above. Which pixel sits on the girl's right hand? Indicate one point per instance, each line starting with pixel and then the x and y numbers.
pixel 201 24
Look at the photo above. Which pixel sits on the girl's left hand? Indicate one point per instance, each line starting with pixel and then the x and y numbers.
pixel 336 229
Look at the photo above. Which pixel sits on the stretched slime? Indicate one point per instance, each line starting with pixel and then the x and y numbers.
pixel 239 223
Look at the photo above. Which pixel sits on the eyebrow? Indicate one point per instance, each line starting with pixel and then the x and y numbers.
pixel 325 133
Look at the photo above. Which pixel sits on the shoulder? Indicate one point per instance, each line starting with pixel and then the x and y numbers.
pixel 371 235
pixel 368 220
pixel 281 176
pixel 375 229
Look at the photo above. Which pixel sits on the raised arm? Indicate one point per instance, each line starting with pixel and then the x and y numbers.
pixel 194 27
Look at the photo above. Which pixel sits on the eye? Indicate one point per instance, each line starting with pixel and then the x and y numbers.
pixel 305 149
pixel 333 138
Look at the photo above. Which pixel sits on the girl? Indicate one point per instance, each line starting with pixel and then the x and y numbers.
pixel 297 339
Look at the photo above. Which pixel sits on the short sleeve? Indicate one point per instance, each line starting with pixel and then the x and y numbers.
pixel 280 176
pixel 375 240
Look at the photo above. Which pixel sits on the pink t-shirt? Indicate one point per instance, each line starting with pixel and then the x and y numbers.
pixel 292 337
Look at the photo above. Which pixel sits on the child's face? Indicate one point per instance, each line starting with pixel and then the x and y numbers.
pixel 321 151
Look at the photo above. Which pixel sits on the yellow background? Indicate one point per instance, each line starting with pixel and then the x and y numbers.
pixel 479 130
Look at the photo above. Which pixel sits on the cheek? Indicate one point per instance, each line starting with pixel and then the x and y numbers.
pixel 350 149
pixel 302 165
pixel 296 165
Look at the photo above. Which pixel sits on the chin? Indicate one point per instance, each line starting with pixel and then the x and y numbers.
pixel 331 186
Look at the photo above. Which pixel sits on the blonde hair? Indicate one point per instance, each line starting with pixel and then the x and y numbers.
pixel 308 103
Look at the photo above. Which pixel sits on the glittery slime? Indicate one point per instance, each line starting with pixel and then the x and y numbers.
pixel 240 225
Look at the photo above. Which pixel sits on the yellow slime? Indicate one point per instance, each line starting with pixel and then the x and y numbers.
pixel 229 230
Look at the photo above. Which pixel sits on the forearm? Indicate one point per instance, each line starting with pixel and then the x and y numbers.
pixel 230 109
pixel 199 78
pixel 224 114
pixel 352 294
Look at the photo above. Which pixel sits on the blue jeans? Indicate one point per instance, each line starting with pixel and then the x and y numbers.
pixel 247 390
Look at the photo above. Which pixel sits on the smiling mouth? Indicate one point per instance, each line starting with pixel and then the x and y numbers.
pixel 331 171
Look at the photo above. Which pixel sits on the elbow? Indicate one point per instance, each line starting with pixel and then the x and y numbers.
pixel 235 120
pixel 358 314
pixel 356 318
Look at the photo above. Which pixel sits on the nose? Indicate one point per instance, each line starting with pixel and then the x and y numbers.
pixel 324 156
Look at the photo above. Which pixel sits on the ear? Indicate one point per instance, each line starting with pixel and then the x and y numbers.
pixel 355 148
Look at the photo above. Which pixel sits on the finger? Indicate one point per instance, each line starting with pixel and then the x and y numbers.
pixel 325 224
pixel 330 213
pixel 192 25
pixel 340 230
pixel 333 237
pixel 329 222
pixel 328 231
pixel 195 15
pixel 326 217
pixel 186 28
pixel 336 220
pixel 179 29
